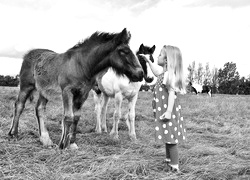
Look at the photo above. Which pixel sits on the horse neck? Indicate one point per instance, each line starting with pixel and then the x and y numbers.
pixel 98 60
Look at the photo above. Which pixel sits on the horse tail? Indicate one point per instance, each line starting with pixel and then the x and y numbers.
pixel 27 81
pixel 26 75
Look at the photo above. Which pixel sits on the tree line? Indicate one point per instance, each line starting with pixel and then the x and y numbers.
pixel 225 80
pixel 9 80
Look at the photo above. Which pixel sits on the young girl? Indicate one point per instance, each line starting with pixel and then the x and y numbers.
pixel 170 127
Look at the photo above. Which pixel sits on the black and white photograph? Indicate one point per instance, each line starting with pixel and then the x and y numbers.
pixel 125 89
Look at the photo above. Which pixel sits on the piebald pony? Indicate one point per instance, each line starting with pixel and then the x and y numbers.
pixel 110 85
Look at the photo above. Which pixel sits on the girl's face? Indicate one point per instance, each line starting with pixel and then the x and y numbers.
pixel 162 59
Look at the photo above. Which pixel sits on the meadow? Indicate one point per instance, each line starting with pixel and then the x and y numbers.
pixel 217 147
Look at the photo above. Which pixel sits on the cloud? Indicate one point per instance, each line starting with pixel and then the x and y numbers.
pixel 204 34
pixel 133 6
pixel 13 51
pixel 129 3
pixel 220 3
pixel 29 4
pixel 143 6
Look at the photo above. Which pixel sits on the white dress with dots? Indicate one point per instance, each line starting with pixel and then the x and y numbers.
pixel 171 131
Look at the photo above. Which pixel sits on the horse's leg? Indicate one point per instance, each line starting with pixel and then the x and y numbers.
pixel 97 101
pixel 43 132
pixel 209 93
pixel 18 109
pixel 117 115
pixel 130 120
pixel 78 99
pixel 72 101
pixel 67 121
pixel 104 113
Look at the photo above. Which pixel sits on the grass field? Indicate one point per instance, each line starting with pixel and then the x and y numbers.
pixel 218 144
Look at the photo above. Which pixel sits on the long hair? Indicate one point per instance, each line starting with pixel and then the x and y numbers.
pixel 175 75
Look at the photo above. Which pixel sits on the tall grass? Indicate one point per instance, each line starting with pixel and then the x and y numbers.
pixel 218 145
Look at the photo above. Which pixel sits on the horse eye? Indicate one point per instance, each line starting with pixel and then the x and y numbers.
pixel 124 52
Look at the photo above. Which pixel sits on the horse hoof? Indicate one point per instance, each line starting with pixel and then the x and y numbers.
pixel 12 137
pixel 61 145
pixel 12 134
pixel 46 142
pixel 104 130
pixel 49 145
pixel 73 146
pixel 115 136
pixel 98 131
pixel 133 138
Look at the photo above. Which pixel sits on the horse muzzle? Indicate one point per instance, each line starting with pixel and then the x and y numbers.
pixel 149 79
pixel 137 76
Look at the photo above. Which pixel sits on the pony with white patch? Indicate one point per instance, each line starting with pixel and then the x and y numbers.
pixel 111 85
pixel 197 88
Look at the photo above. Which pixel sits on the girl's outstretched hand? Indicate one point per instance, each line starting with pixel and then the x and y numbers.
pixel 166 116
pixel 145 57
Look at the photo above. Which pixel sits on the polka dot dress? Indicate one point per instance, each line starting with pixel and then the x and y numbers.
pixel 172 131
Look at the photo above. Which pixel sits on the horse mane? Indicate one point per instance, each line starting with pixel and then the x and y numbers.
pixel 97 37
pixel 104 40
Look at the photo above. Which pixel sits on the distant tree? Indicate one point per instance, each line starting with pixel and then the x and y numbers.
pixel 207 76
pixel 228 79
pixel 9 80
pixel 2 81
pixel 214 80
pixel 191 72
pixel 247 87
pixel 199 74
pixel 244 86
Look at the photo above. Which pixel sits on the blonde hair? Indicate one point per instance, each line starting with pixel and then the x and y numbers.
pixel 175 75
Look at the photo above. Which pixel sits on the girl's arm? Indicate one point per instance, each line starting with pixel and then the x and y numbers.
pixel 156 69
pixel 171 99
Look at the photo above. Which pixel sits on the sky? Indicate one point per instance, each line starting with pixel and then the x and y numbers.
pixel 206 31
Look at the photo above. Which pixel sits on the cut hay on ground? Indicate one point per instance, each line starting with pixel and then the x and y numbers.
pixel 218 145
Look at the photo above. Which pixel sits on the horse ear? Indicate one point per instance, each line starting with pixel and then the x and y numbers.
pixel 141 47
pixel 152 49
pixel 123 37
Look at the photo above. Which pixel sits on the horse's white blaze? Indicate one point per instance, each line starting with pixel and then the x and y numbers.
pixel 150 73
pixel 146 55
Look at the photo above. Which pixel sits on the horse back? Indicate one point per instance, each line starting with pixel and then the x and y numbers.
pixel 38 67
pixel 27 69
